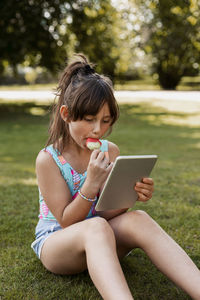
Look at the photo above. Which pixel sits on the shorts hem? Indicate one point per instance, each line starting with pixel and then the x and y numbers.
pixel 41 244
pixel 43 231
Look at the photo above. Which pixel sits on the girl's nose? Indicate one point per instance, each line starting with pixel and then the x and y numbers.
pixel 97 127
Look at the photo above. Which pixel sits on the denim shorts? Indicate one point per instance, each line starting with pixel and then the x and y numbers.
pixel 43 230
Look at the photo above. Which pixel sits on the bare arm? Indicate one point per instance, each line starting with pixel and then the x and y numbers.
pixel 56 193
pixel 113 152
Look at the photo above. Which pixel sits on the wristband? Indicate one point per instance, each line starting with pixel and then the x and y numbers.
pixel 88 199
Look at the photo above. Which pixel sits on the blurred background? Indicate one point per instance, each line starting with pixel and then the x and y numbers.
pixel 134 42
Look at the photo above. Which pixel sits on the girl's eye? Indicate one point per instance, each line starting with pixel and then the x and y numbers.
pixel 88 119
pixel 107 120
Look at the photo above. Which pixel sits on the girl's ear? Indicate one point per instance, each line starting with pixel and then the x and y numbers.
pixel 64 113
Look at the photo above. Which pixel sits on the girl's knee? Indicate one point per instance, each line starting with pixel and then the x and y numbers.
pixel 98 225
pixel 139 216
pixel 98 228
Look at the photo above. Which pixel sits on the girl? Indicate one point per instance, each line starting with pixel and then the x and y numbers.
pixel 71 236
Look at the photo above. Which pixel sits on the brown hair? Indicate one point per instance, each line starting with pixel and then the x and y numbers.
pixel 84 92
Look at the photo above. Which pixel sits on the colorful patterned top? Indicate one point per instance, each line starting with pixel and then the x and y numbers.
pixel 73 179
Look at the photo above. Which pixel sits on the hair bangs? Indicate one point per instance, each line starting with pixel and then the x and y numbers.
pixel 94 95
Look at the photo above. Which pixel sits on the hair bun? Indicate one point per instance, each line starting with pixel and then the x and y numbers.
pixel 88 70
pixel 85 70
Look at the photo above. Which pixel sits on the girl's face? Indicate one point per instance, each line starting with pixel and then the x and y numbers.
pixel 91 126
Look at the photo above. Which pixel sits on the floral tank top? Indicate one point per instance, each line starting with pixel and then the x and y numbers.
pixel 73 179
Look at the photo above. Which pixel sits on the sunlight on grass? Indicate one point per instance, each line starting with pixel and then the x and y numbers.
pixel 37 111
pixel 9 181
pixel 29 181
pixel 198 145
pixel 35 87
pixel 168 117
pixel 187 120
pixel 7 159
pixel 195 136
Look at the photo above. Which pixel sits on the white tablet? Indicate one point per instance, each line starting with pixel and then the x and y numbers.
pixel 118 191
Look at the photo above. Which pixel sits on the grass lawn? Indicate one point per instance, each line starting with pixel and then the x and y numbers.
pixel 175 205
pixel 146 83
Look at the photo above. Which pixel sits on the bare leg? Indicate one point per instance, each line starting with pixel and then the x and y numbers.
pixel 137 229
pixel 91 244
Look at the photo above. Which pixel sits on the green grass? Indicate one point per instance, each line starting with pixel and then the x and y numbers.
pixel 146 83
pixel 175 205
pixel 149 83
pixel 35 87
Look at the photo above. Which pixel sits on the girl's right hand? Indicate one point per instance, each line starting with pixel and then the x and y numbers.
pixel 98 170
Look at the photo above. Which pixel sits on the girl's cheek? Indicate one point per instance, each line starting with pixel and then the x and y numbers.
pixel 106 127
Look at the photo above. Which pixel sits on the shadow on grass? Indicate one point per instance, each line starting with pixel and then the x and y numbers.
pixel 7 110
pixel 140 130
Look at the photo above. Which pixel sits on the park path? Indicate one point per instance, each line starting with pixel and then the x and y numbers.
pixel 180 101
pixel 129 95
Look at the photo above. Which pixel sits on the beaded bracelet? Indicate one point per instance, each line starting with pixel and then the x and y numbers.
pixel 88 199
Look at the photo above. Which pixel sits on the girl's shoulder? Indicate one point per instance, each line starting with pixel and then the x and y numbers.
pixel 48 169
pixel 113 150
pixel 44 159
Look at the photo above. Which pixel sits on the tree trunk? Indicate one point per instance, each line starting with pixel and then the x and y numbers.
pixel 168 79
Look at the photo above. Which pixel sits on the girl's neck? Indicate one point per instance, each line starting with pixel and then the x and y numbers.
pixel 71 146
pixel 76 156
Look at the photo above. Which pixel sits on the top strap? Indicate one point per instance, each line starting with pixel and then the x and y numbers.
pixel 104 145
pixel 59 160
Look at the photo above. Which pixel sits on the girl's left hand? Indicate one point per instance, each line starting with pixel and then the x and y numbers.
pixel 144 189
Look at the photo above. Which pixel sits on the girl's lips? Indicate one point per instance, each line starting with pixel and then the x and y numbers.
pixel 93 140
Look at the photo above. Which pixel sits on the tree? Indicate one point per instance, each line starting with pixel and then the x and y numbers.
pixel 44 33
pixel 29 30
pixel 95 26
pixel 173 38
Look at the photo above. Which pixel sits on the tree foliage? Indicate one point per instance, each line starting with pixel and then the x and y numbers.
pixel 29 31
pixel 44 32
pixel 173 38
pixel 94 24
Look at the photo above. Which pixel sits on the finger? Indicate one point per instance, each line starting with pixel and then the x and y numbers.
pixel 142 198
pixel 147 180
pixel 103 159
pixel 140 186
pixel 106 155
pixel 101 156
pixel 109 167
pixel 147 193
pixel 95 154
pixel 143 185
